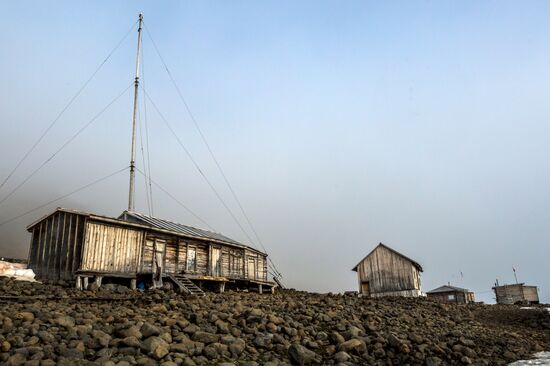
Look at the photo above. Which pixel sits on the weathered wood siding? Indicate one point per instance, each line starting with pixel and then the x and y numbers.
pixel 64 243
pixel 455 297
pixel 171 256
pixel 56 245
pixel 111 249
pixel 530 294
pixel 235 259
pixel 511 294
pixel 202 258
pixel 255 266
pixel 182 256
pixel 387 272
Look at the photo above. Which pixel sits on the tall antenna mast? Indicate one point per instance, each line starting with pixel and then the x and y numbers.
pixel 132 192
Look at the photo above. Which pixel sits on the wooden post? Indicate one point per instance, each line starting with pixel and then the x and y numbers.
pixel 133 284
pixel 98 280
pixel 78 283
pixel 85 283
pixel 222 287
pixel 260 289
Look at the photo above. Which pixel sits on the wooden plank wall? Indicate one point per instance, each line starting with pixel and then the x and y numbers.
pixel 233 260
pixel 387 271
pixel 235 263
pixel 530 293
pixel 65 242
pixel 111 249
pixel 56 245
pixel 260 266
pixel 511 294
pixel 182 256
pixel 459 297
pixel 171 257
pixel 202 258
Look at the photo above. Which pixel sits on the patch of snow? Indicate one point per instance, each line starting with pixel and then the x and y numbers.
pixel 16 271
pixel 531 308
pixel 541 358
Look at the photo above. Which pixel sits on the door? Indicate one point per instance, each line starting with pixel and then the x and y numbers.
pixel 215 262
pixel 365 288
pixel 191 263
pixel 158 262
pixel 251 268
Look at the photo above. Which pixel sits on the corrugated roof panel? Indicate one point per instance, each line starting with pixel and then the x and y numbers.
pixel 179 228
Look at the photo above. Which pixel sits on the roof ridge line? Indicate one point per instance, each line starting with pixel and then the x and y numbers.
pixel 173 222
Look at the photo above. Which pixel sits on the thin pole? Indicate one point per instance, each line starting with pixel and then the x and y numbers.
pixel 131 194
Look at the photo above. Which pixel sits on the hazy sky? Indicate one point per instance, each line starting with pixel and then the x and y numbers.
pixel 423 125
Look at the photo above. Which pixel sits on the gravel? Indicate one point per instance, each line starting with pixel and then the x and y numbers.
pixel 48 325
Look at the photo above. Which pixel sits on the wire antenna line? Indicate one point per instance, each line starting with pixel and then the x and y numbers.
pixel 64 196
pixel 178 201
pixel 210 151
pixel 188 153
pixel 74 97
pixel 64 145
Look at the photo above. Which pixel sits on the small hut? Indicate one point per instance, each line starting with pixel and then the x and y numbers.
pixel 518 293
pixel 78 246
pixel 386 272
pixel 452 294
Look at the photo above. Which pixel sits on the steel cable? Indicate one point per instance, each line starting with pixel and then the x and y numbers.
pixel 64 196
pixel 216 162
pixel 56 119
pixel 64 145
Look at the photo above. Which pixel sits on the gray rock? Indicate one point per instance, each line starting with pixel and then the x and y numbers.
pixel 356 345
pixel 155 346
pixel 300 355
pixel 148 330
pixel 64 321
pixel 342 357
pixel 131 342
pixel 205 337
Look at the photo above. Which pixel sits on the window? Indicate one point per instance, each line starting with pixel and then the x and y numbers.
pixel 191 259
pixel 450 297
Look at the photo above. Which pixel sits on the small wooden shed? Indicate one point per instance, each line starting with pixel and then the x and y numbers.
pixel 518 293
pixel 79 246
pixel 452 294
pixel 386 272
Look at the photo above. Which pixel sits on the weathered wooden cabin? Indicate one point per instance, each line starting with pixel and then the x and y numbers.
pixel 139 250
pixel 386 272
pixel 517 293
pixel 452 294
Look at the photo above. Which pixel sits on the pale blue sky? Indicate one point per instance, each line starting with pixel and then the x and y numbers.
pixel 423 125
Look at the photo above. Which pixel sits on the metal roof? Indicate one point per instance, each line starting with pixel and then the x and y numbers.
pixel 175 227
pixel 447 288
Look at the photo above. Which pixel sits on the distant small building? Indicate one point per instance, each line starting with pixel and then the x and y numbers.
pixel 386 272
pixel 452 294
pixel 516 293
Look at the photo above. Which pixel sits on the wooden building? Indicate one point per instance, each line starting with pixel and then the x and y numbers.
pixel 452 294
pixel 518 293
pixel 386 272
pixel 137 249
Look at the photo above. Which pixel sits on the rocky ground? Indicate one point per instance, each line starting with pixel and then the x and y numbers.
pixel 49 325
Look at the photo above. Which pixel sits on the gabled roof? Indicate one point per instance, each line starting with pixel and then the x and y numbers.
pixel 414 263
pixel 447 288
pixel 173 226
